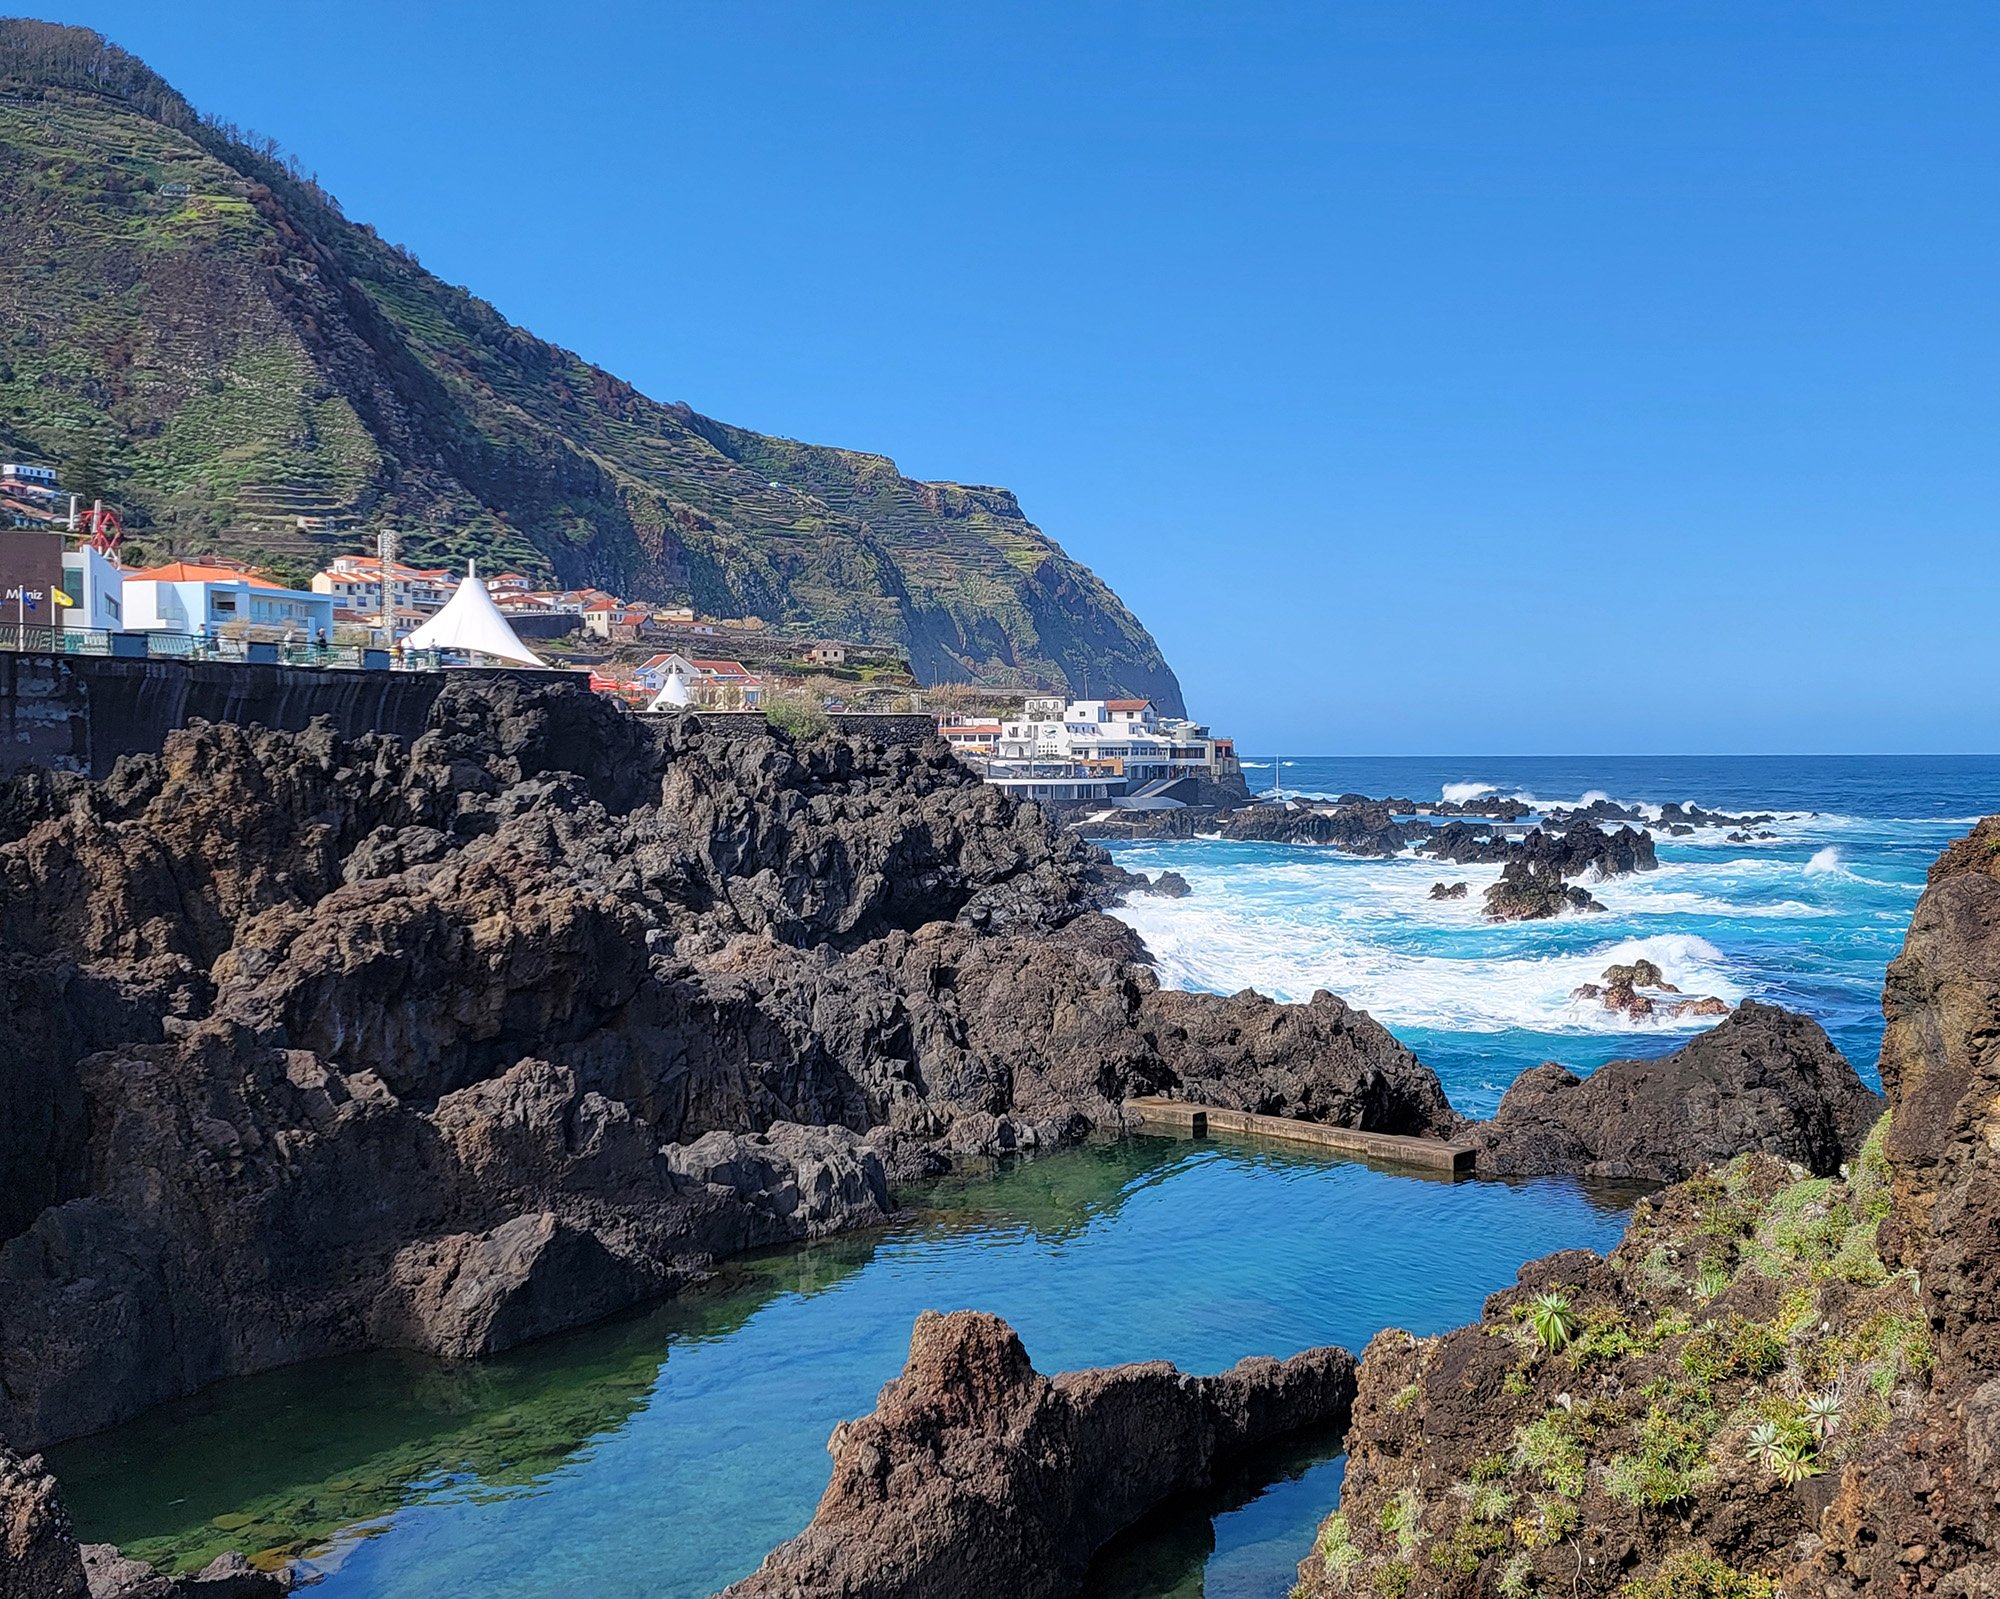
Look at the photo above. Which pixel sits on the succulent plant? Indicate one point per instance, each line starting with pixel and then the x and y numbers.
pixel 1794 1463
pixel 1822 1412
pixel 1764 1443
pixel 1552 1320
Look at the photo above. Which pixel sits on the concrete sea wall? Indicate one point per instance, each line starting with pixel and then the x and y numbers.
pixel 79 713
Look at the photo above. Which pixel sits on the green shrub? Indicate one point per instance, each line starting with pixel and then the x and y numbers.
pixel 800 717
pixel 1466 1550
pixel 1392 1579
pixel 1406 1397
pixel 1550 1519
pixel 1604 1336
pixel 1794 1463
pixel 1516 1578
pixel 1402 1518
pixel 1755 1347
pixel 1551 1448
pixel 1671 1463
pixel 1697 1574
pixel 1337 1551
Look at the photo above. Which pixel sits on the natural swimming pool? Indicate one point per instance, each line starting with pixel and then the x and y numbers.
pixel 663 1453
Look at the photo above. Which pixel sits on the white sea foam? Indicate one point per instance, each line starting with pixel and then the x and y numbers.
pixel 1459 793
pixel 1286 943
pixel 1826 863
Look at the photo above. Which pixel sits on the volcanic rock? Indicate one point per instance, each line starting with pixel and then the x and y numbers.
pixel 1368 828
pixel 320 1044
pixel 1765 1079
pixel 1527 893
pixel 1620 993
pixel 38 1553
pixel 977 1475
pixel 1448 890
pixel 1919 1508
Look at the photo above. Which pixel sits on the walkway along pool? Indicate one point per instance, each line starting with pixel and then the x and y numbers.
pixel 661 1455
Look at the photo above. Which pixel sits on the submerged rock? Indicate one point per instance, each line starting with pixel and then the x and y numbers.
pixel 977 1475
pixel 1765 1079
pixel 1621 992
pixel 1353 825
pixel 41 1559
pixel 1448 890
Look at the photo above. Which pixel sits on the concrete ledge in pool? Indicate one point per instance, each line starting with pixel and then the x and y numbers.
pixel 1177 1115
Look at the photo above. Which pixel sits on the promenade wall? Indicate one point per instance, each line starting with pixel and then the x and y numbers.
pixel 79 713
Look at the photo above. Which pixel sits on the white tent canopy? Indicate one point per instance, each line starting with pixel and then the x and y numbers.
pixel 471 621
pixel 672 695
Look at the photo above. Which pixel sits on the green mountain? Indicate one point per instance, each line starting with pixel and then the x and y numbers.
pixel 188 319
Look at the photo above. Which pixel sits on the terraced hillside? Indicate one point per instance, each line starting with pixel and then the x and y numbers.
pixel 195 323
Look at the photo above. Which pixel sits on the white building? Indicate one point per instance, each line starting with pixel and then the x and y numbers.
pixel 1059 749
pixel 355 583
pixel 183 597
pixel 97 584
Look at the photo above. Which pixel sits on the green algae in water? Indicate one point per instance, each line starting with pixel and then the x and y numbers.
pixel 282 1464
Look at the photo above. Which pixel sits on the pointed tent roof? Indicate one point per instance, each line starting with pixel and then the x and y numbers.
pixel 471 621
pixel 672 695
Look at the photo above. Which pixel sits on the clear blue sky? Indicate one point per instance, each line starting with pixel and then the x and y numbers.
pixel 1430 377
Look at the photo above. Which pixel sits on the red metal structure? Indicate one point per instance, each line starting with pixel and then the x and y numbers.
pixel 101 529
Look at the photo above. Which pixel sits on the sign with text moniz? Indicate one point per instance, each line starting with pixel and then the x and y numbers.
pixel 30 575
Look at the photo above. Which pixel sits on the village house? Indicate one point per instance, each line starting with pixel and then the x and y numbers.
pixel 355 584
pixel 710 685
pixel 97 584
pixel 828 653
pixel 28 495
pixel 210 598
pixel 617 622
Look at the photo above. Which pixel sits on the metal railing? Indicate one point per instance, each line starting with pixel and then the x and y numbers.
pixel 158 644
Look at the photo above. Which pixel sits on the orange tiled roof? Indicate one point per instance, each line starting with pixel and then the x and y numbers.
pixel 189 572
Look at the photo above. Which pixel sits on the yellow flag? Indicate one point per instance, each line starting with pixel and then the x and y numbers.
pixel 62 598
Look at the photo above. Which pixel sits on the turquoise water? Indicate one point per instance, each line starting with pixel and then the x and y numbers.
pixel 664 1455
pixel 1809 919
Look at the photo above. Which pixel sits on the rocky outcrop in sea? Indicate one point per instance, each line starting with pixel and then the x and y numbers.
pixel 1765 1080
pixel 977 1475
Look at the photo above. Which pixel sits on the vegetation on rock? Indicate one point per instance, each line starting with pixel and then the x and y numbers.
pixel 190 323
pixel 1659 1414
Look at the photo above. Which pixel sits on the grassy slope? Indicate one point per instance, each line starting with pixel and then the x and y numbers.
pixel 240 356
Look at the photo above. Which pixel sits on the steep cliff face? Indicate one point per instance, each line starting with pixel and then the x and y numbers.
pixel 193 322
pixel 1776 1385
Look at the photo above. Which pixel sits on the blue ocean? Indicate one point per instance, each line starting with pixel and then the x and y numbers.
pixel 1808 918
pixel 659 1455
